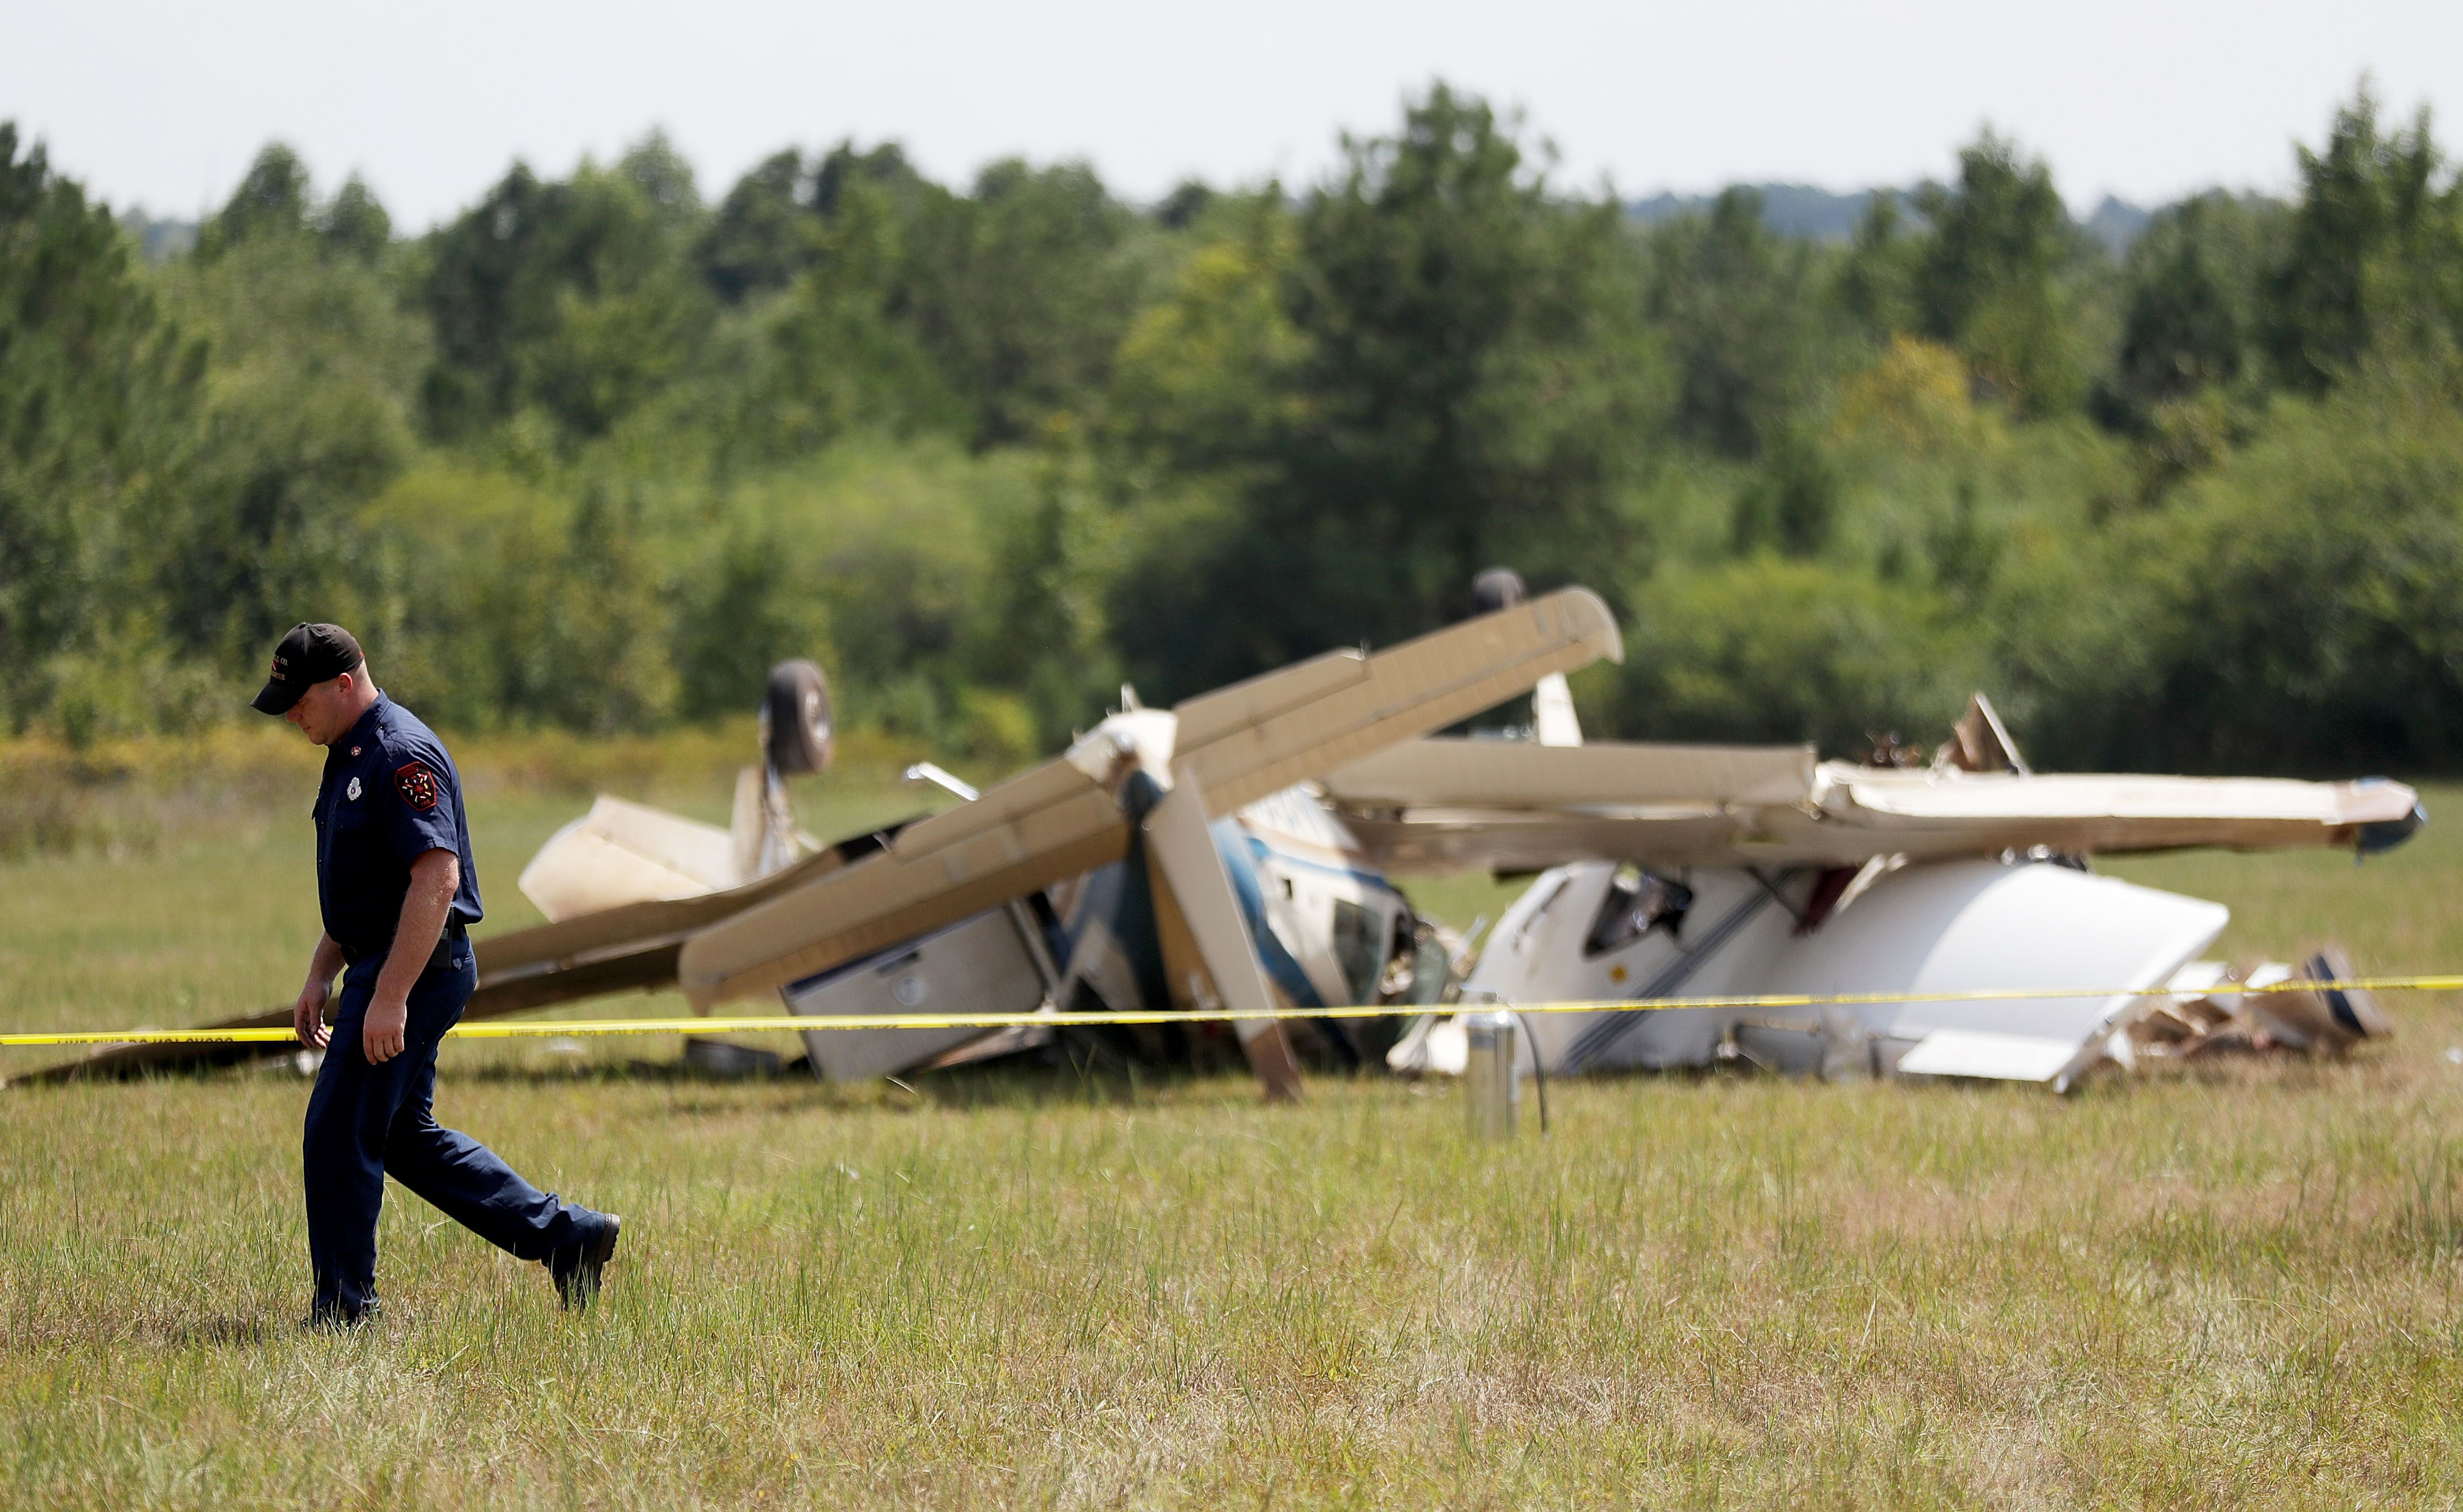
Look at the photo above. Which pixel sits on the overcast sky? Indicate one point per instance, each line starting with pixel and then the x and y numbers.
pixel 163 104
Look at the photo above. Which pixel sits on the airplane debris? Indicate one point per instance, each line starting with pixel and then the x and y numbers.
pixel 2203 1015
pixel 1702 871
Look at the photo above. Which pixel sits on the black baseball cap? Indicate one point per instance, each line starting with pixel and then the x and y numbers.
pixel 306 656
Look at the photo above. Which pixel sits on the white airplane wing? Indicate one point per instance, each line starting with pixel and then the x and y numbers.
pixel 1436 805
pixel 1950 811
pixel 623 852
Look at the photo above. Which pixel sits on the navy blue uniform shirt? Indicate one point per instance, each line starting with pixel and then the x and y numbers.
pixel 390 795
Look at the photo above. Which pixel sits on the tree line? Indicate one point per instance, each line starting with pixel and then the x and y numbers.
pixel 597 451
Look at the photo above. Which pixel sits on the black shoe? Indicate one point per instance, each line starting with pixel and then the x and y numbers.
pixel 575 1267
pixel 332 1318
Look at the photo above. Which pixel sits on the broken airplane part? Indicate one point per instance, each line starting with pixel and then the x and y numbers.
pixel 1673 871
pixel 1147 898
pixel 626 853
pixel 1597 931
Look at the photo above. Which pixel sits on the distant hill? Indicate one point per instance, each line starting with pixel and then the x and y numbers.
pixel 159 240
pixel 1802 209
pixel 1792 209
pixel 2117 222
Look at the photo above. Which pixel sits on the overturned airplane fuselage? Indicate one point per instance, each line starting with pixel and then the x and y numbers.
pixel 1596 931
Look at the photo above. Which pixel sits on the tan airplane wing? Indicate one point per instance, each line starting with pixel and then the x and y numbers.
pixel 1045 823
pixel 1261 736
pixel 1443 772
pixel 631 948
pixel 1444 805
pixel 1063 818
pixel 1198 915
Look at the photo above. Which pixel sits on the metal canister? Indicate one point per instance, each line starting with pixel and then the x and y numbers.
pixel 1491 1091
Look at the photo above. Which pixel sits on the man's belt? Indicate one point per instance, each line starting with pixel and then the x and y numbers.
pixel 455 933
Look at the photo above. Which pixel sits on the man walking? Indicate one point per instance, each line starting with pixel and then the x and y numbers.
pixel 399 893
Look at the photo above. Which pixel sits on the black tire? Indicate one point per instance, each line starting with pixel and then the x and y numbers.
pixel 1498 588
pixel 796 730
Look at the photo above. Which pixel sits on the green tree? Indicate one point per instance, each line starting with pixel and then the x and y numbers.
pixel 1988 277
pixel 309 414
pixel 2314 626
pixel 1876 278
pixel 354 223
pixel 1041 631
pixel 655 167
pixel 2373 255
pixel 1021 292
pixel 1744 324
pixel 1471 383
pixel 838 353
pixel 741 610
pixel 276 201
pixel 486 601
pixel 97 392
pixel 1195 386
pixel 573 299
pixel 273 199
pixel 1771 650
pixel 1792 501
pixel 2191 317
pixel 884 170
pixel 762 234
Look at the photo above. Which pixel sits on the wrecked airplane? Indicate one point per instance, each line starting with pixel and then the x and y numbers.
pixel 1236 853
pixel 1713 871
pixel 1663 870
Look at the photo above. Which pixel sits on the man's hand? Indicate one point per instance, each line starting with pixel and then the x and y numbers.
pixel 380 1032
pixel 308 1015
pixel 424 907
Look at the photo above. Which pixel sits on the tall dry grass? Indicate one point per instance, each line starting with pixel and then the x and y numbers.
pixel 2233 1286
pixel 2237 1288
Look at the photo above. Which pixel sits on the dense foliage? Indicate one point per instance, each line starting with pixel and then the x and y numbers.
pixel 596 452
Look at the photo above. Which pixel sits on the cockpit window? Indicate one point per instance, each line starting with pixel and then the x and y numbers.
pixel 1637 903
pixel 1360 947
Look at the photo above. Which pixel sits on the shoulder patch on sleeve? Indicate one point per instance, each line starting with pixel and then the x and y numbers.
pixel 417 785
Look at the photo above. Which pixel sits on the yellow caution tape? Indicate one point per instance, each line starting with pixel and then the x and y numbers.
pixel 754 1024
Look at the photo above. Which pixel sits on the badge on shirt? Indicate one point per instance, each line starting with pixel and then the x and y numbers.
pixel 417 785
pixel 352 792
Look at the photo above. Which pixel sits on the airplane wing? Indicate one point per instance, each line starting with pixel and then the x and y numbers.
pixel 1196 905
pixel 631 948
pixel 1049 823
pixel 1927 812
pixel 1443 804
pixel 1444 772
pixel 1437 805
pixel 1064 817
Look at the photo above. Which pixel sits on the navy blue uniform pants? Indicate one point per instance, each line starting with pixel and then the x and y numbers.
pixel 368 1122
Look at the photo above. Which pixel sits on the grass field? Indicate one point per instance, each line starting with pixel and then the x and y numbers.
pixel 2232 1286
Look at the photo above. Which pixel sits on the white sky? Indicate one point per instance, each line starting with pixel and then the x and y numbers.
pixel 163 104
